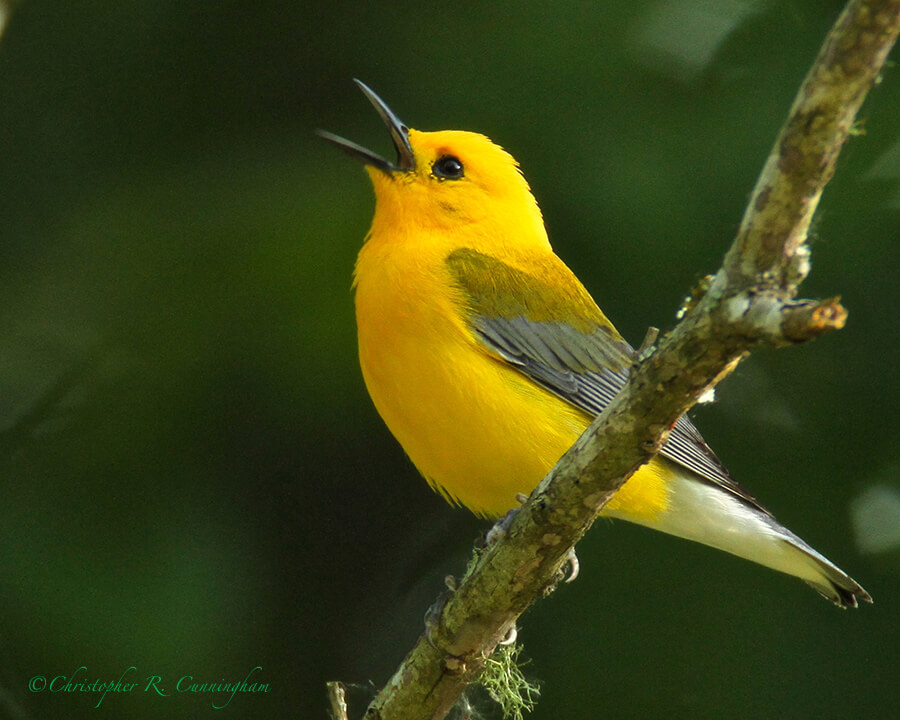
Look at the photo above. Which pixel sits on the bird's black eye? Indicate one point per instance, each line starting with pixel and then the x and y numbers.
pixel 447 167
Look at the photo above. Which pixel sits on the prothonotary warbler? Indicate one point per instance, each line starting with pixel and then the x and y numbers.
pixel 487 358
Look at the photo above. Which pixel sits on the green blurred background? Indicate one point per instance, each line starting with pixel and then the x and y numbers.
pixel 194 481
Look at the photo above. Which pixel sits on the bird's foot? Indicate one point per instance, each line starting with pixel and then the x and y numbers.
pixel 511 636
pixel 500 528
pixel 433 614
pixel 649 345
pixel 574 565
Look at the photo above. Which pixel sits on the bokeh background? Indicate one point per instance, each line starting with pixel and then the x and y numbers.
pixel 194 481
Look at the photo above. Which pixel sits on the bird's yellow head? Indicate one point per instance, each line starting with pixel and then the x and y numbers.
pixel 448 180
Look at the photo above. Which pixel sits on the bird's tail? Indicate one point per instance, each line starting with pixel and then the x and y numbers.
pixel 703 512
pixel 831 582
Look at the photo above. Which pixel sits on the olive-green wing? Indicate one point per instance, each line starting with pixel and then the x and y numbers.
pixel 540 319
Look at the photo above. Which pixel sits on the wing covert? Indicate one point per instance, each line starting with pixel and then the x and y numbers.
pixel 580 358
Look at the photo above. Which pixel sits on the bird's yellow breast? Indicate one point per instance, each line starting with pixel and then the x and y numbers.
pixel 475 427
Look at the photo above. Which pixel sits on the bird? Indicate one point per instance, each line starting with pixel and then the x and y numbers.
pixel 487 358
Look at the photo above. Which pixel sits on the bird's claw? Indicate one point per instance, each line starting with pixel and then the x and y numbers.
pixel 433 613
pixel 499 528
pixel 511 636
pixel 648 346
pixel 574 565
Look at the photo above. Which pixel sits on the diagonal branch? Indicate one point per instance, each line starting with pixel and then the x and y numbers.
pixel 750 302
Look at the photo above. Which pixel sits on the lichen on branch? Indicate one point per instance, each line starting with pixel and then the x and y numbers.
pixel 750 302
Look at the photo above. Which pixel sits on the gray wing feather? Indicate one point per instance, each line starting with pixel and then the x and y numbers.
pixel 576 367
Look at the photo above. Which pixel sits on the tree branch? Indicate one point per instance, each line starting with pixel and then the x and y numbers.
pixel 750 302
pixel 337 698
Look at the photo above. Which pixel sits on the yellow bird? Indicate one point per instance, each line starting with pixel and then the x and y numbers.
pixel 487 358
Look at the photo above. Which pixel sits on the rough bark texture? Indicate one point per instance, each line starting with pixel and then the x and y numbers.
pixel 751 301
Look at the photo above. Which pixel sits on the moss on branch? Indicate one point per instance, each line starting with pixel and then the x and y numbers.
pixel 750 302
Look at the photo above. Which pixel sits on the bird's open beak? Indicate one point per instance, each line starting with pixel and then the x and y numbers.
pixel 399 135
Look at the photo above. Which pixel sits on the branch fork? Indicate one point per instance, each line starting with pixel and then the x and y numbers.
pixel 750 302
